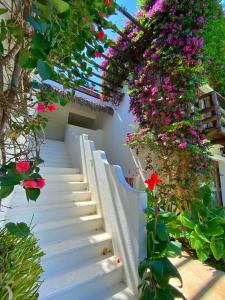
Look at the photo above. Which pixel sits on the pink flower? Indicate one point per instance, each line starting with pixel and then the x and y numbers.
pixel 30 184
pixel 22 166
pixel 41 107
pixel 97 54
pixel 52 107
pixel 183 146
pixel 33 184
pixel 40 183
pixel 118 261
pixel 101 35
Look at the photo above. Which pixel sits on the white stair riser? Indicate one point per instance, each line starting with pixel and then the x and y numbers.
pixel 19 200
pixel 58 171
pixel 60 187
pixel 68 231
pixel 56 165
pixel 63 178
pixel 85 290
pixel 71 259
pixel 50 215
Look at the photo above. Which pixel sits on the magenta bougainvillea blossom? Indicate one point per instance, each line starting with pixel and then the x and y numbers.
pixel 164 69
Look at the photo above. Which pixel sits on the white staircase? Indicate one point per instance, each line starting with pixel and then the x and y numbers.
pixel 79 263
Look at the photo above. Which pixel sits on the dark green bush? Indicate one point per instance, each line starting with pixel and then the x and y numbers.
pixel 20 268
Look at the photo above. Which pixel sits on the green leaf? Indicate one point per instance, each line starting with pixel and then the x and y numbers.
pixel 217 247
pixel 40 42
pixel 32 194
pixel 186 220
pixel 5 191
pixel 61 6
pixel 202 254
pixel 213 229
pixel 142 267
pixel 18 229
pixel 196 242
pixel 170 271
pixel 163 295
pixel 161 231
pixel 157 269
pixel 3 11
pixel 200 232
pixel 44 70
pixel 1 48
pixel 173 249
pixel 175 292
pixel 148 294
pixel 206 195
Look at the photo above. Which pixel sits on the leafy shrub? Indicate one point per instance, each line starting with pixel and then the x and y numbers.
pixel 19 265
pixel 156 269
pixel 202 226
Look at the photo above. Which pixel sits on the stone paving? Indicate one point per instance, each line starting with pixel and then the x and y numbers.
pixel 200 281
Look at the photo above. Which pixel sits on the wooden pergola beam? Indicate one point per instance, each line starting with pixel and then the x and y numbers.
pixel 130 17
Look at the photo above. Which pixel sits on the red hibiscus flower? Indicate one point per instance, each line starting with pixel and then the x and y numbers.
pixel 30 184
pixel 152 181
pixel 108 3
pixel 33 184
pixel 101 35
pixel 22 166
pixel 40 183
pixel 41 107
pixel 52 107
pixel 98 54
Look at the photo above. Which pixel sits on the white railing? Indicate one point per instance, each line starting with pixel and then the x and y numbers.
pixel 121 206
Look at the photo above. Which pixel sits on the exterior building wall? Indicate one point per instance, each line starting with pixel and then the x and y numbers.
pixel 115 129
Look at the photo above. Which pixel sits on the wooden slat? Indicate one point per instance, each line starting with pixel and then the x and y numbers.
pixel 207 110
pixel 211 119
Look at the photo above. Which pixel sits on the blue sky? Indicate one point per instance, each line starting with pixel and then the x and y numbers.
pixel 119 19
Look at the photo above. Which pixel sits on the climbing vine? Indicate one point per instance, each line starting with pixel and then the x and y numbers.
pixel 163 63
pixel 42 40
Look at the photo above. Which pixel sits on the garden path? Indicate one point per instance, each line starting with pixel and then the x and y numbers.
pixel 200 281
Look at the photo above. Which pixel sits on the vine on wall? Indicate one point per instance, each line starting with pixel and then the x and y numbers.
pixel 164 67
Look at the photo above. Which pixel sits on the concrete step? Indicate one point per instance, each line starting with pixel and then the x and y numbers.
pixel 19 199
pixel 52 212
pixel 81 283
pixel 63 178
pixel 58 171
pixel 69 254
pixel 116 292
pixel 62 187
pixel 58 231
pixel 56 164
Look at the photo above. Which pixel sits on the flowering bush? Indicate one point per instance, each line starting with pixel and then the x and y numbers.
pixel 164 68
pixel 156 270
pixel 37 38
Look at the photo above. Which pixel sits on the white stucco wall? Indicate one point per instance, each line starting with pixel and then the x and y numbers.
pixel 115 129
pixel 58 120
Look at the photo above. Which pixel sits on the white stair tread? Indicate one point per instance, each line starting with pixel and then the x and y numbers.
pixel 51 170
pixel 43 208
pixel 50 197
pixel 61 223
pixel 116 292
pixel 63 178
pixel 76 243
pixel 96 267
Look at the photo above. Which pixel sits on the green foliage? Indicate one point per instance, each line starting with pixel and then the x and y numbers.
pixel 19 229
pixel 214 53
pixel 156 270
pixel 9 178
pixel 20 268
pixel 203 227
